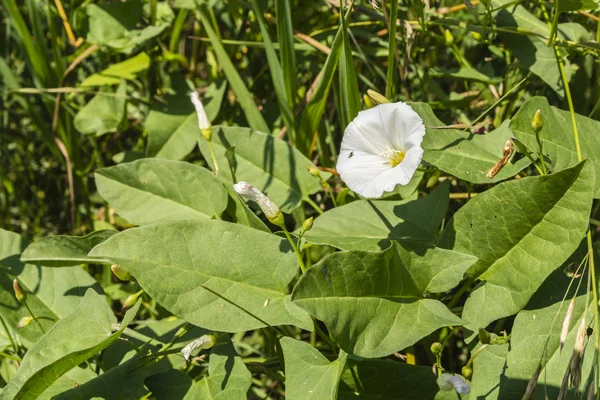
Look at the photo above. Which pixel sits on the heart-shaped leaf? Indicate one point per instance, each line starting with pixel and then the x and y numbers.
pixel 372 302
pixel 151 190
pixel 217 275
pixel 520 231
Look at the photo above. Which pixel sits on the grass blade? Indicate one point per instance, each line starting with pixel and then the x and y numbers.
pixel 348 84
pixel 287 54
pixel 389 87
pixel 253 115
pixel 276 72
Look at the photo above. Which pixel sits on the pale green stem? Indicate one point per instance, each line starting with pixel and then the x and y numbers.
pixel 34 317
pixel 214 158
pixel 589 233
pixel 9 336
pixel 314 205
pixel 298 255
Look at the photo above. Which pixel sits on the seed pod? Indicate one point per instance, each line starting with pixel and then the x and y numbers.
pixel 131 300
pixel 120 272
pixel 433 178
pixel 24 322
pixel 467 372
pixel 307 224
pixel 20 294
pixel 314 171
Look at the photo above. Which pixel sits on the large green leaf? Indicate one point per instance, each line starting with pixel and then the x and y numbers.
pixel 372 302
pixel 309 374
pixel 104 113
pixel 488 367
pixel 64 251
pixel 72 340
pixel 151 190
pixel 112 75
pixel 371 225
pixel 271 165
pixel 52 293
pixel 217 275
pixel 172 124
pixel 532 50
pixel 466 155
pixel 520 231
pixel 388 380
pixel 557 136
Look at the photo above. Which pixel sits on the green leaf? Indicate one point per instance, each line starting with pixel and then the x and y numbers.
pixel 372 302
pixel 228 377
pixel 533 327
pixel 531 50
pixel 170 385
pixel 114 25
pixel 172 124
pixel 371 225
pixel 271 165
pixel 64 251
pixel 308 374
pixel 151 190
pixel 520 231
pixel 241 213
pixel 104 113
pixel 463 73
pixel 206 272
pixel 387 380
pixel 71 341
pixel 488 366
pixel 557 136
pixel 466 155
pixel 287 52
pixel 245 98
pixel 112 75
pixel 575 5
pixel 52 293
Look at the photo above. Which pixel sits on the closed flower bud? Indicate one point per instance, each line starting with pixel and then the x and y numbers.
pixel 307 224
pixel 537 121
pixel 433 178
pixel 368 101
pixel 131 300
pixel 120 272
pixel 484 336
pixel 270 209
pixel 314 171
pixel 448 382
pixel 203 342
pixel 467 372
pixel 476 35
pixel 436 348
pixel 377 97
pixel 448 36
pixel 24 322
pixel 19 292
pixel 203 122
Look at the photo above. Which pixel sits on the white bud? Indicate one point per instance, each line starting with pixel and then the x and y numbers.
pixel 270 209
pixel 203 342
pixel 448 382
pixel 203 122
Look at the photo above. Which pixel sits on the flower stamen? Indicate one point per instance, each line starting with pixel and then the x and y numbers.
pixel 394 157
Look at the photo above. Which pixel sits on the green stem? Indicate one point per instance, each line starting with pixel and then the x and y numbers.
pixel 554 25
pixel 34 318
pixel 214 158
pixel 314 205
pixel 589 233
pixel 298 254
pixel 9 336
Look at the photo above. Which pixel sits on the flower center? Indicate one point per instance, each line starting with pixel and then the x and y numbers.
pixel 394 157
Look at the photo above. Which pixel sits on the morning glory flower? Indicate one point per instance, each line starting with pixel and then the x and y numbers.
pixel 448 382
pixel 203 122
pixel 381 148
pixel 269 208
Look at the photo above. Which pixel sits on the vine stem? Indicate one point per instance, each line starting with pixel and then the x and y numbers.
pixel 298 255
pixel 589 233
pixel 9 335
pixel 214 158
pixel 34 317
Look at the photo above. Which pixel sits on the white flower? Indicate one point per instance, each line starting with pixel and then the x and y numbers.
pixel 448 382
pixel 203 342
pixel 203 122
pixel 381 148
pixel 269 208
